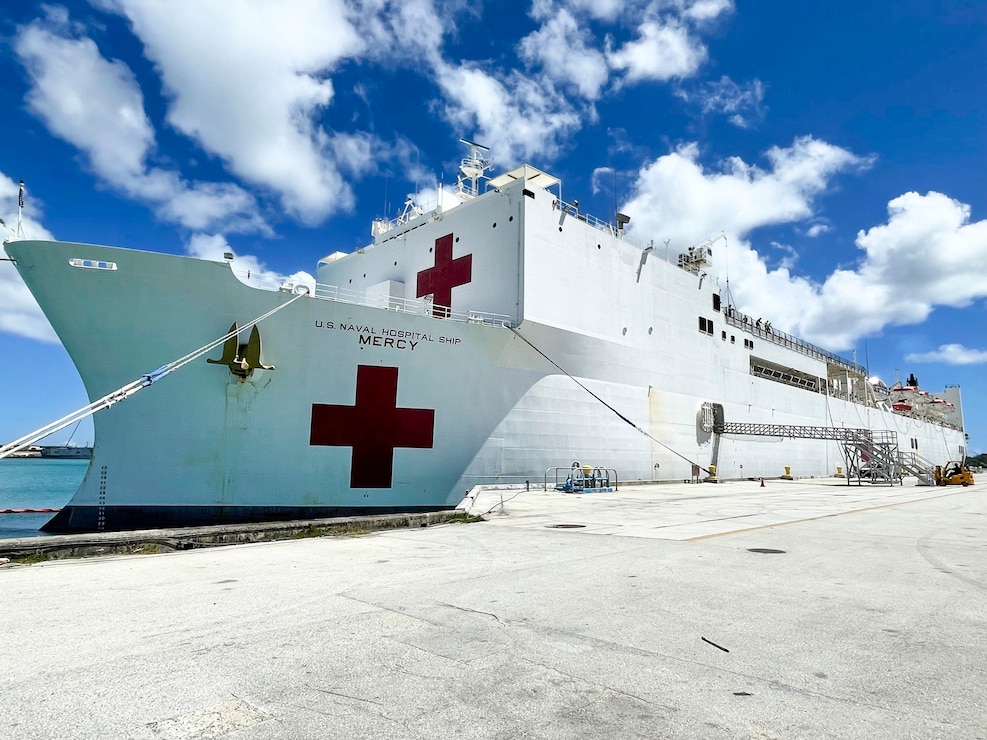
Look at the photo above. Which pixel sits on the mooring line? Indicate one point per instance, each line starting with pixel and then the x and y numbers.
pixel 125 392
pixel 615 411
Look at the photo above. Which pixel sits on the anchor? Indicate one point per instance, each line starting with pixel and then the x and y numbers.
pixel 241 359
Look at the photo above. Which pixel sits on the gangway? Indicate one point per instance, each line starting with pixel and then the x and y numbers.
pixel 918 466
pixel 870 454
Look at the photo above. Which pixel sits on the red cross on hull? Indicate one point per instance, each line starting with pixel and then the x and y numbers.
pixel 448 273
pixel 373 427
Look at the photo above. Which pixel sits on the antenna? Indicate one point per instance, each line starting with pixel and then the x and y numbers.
pixel 726 260
pixel 473 144
pixel 615 199
pixel 387 177
pixel 20 212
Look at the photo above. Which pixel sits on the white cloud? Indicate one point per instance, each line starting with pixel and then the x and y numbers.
pixel 662 51
pixel 790 256
pixel 19 312
pixel 564 51
pixel 707 10
pixel 605 10
pixel 253 95
pixel 920 259
pixel 407 32
pixel 96 105
pixel 742 104
pixel 247 267
pixel 249 85
pixel 951 354
pixel 517 117
pixel 675 197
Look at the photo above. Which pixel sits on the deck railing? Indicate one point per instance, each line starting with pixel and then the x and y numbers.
pixel 764 330
pixel 415 306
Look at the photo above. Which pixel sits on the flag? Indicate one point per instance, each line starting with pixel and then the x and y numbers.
pixel 20 196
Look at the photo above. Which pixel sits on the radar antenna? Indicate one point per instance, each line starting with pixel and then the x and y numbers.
pixel 473 168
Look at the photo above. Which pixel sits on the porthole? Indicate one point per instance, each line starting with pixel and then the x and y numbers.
pixel 395 264
pixel 511 219
pixel 457 242
pixel 495 224
pixel 650 329
pixel 624 331
pixel 598 246
pixel 560 228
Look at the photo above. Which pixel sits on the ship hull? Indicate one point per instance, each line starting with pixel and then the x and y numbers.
pixel 378 406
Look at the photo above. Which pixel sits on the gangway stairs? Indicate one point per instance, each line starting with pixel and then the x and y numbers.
pixel 918 466
pixel 871 455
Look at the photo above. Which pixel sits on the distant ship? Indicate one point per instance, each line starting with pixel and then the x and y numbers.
pixel 67 452
pixel 496 341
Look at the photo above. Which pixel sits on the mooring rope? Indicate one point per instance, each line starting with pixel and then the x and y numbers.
pixel 619 415
pixel 125 392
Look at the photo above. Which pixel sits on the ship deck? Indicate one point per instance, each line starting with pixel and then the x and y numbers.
pixel 805 608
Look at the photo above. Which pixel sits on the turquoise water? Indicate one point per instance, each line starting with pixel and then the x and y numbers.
pixel 35 484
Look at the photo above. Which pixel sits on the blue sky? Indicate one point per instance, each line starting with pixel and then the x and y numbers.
pixel 839 146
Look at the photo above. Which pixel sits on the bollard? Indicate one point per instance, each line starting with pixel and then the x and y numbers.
pixel 762 482
pixel 788 473
pixel 711 478
pixel 839 472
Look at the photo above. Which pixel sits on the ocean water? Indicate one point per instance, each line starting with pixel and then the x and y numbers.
pixel 35 484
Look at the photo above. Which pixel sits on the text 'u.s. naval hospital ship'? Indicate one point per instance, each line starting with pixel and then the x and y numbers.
pixel 484 343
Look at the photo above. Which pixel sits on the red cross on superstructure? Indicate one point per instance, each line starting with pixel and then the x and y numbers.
pixel 373 427
pixel 446 275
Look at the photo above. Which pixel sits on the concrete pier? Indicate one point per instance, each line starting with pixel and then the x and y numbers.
pixel 804 609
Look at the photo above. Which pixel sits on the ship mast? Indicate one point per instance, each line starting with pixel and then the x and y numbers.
pixel 473 168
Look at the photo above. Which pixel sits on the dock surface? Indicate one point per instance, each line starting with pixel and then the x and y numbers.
pixel 803 609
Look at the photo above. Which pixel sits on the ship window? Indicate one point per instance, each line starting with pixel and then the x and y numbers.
pixel 723 336
pixel 93 264
pixel 705 325
pixel 527 192
pixel 733 339
pixel 716 301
